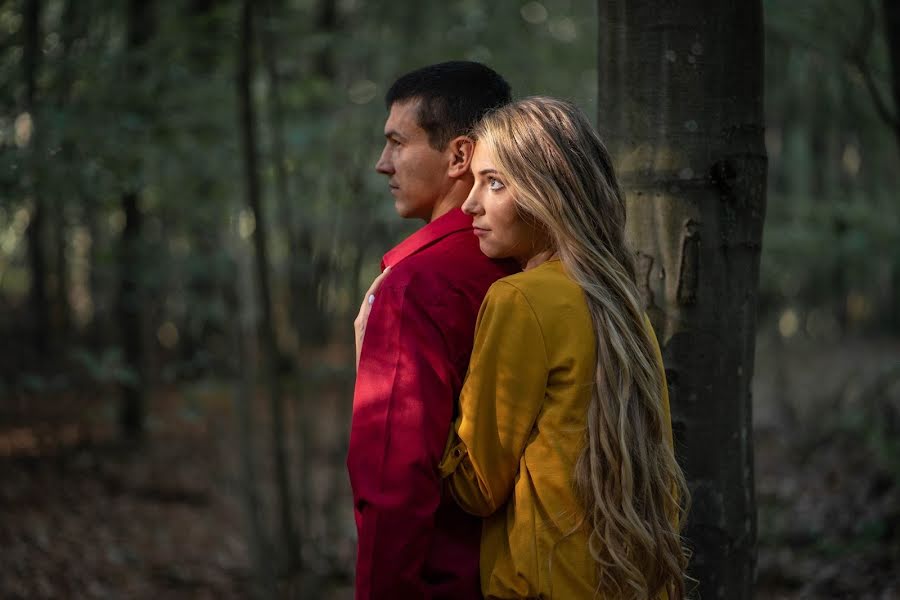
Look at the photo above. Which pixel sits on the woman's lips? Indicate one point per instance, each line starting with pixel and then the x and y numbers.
pixel 480 232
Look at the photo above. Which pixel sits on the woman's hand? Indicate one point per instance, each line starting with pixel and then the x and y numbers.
pixel 359 325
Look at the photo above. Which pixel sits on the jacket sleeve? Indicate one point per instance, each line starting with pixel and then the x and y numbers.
pixel 402 411
pixel 499 404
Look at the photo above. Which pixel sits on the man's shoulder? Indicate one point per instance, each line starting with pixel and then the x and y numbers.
pixel 453 261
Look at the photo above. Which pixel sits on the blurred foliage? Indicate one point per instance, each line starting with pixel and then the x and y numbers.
pixel 830 263
pixel 172 135
pixel 830 252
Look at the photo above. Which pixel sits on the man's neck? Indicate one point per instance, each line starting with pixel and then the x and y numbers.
pixel 453 199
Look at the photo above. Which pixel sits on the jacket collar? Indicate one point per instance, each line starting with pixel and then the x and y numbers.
pixel 453 221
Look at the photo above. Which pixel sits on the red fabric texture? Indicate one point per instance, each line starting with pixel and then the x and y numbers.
pixel 414 542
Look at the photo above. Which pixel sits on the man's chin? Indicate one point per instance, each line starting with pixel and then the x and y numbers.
pixel 405 211
pixel 401 211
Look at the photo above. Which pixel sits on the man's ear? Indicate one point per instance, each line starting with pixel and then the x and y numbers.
pixel 461 149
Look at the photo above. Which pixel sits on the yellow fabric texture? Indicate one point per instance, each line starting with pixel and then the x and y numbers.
pixel 511 455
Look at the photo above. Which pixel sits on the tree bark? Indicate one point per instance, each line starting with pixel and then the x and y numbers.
pixel 269 46
pixel 680 104
pixel 310 270
pixel 244 342
pixel 249 144
pixel 31 61
pixel 72 27
pixel 132 410
pixel 892 36
pixel 326 22
pixel 202 329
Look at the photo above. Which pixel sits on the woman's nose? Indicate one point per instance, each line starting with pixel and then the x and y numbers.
pixel 470 206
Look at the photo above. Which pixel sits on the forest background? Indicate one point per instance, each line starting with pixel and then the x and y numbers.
pixel 176 367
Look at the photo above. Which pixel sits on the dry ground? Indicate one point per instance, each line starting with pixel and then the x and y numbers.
pixel 88 518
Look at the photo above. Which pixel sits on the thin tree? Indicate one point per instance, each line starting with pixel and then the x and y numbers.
pixel 31 62
pixel 240 304
pixel 270 46
pixel 269 43
pixel 72 24
pixel 892 34
pixel 132 410
pixel 858 54
pixel 311 269
pixel 207 32
pixel 249 144
pixel 680 103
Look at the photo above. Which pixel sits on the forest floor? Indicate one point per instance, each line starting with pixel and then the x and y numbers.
pixel 827 451
pixel 82 516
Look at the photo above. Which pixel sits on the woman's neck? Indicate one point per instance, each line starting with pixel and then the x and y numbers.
pixel 538 259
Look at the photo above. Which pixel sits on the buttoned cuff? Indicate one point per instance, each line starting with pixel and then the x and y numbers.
pixel 454 452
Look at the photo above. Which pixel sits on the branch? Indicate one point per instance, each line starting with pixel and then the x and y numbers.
pixel 854 58
pixel 857 57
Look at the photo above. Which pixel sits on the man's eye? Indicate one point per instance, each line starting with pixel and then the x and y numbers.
pixel 494 184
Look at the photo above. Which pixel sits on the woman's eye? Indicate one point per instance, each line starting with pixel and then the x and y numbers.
pixel 494 184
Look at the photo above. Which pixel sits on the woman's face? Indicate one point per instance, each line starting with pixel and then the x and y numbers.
pixel 501 231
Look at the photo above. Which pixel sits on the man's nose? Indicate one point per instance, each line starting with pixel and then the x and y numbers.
pixel 384 165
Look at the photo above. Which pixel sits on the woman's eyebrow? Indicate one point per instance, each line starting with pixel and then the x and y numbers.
pixel 486 171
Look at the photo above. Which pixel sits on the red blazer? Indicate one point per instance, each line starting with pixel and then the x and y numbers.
pixel 414 542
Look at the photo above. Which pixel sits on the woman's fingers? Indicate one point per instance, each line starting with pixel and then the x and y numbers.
pixel 359 325
pixel 374 287
pixel 369 298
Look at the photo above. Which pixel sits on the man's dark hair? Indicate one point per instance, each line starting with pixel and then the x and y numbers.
pixel 453 96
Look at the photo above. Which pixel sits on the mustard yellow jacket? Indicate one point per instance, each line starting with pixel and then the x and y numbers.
pixel 512 453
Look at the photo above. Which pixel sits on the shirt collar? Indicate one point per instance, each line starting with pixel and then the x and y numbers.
pixel 453 221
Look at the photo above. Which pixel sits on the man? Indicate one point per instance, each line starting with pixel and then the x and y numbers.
pixel 414 542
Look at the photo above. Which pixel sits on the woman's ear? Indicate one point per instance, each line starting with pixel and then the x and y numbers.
pixel 461 149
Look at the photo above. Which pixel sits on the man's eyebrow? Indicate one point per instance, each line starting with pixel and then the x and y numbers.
pixel 393 133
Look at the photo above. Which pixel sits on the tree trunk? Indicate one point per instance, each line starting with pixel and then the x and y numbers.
pixel 892 37
pixel 309 270
pixel 72 27
pixel 296 261
pixel 244 342
pixel 31 61
pixel 91 222
pixel 132 410
pixel 680 104
pixel 327 23
pixel 61 274
pixel 269 45
pixel 249 144
pixel 201 328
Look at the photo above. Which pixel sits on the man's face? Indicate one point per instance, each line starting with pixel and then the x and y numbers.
pixel 417 173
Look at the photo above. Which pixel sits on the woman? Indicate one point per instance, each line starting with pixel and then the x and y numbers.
pixel 564 439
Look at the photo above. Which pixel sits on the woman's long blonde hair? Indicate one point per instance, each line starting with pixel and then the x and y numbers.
pixel 631 488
